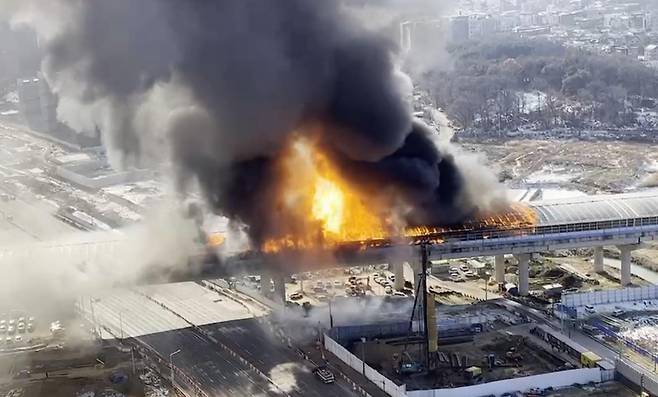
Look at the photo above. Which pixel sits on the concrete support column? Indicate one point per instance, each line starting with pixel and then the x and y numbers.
pixel 598 259
pixel 499 261
pixel 417 270
pixel 625 263
pixel 280 288
pixel 398 270
pixel 265 284
pixel 524 273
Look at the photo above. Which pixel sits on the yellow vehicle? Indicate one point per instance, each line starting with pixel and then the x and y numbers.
pixel 589 359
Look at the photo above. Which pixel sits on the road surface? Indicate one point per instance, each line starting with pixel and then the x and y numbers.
pixel 279 362
pixel 219 373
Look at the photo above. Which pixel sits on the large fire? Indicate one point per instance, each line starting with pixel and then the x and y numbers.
pixel 331 211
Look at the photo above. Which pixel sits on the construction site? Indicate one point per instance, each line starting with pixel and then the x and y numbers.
pixel 294 220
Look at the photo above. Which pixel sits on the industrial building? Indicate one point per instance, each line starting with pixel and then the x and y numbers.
pixel 38 108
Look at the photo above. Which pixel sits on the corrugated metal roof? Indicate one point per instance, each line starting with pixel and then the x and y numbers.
pixel 597 208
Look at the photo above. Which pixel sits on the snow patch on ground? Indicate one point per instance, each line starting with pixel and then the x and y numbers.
pixel 550 175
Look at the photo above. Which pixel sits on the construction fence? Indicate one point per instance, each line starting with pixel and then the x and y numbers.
pixel 646 379
pixel 609 296
pixel 385 384
pixel 543 381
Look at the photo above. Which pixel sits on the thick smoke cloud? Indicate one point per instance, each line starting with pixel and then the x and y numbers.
pixel 221 85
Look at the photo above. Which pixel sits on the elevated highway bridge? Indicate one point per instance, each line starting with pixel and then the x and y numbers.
pixel 624 220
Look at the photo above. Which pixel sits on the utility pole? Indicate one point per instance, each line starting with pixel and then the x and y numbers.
pixel 171 366
pixel 363 354
pixel 331 317
pixel 121 324
pixel 424 260
pixel 132 358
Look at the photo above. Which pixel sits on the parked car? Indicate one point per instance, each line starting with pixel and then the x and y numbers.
pixel 295 296
pixel 590 309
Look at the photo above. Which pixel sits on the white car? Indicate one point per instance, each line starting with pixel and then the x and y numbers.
pixel 18 338
pixel 590 309
pixel 3 328
pixel 463 268
pixel 11 329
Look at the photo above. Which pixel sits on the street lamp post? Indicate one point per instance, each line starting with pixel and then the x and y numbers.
pixel 171 366
pixel 363 354
pixel 121 324
pixel 487 277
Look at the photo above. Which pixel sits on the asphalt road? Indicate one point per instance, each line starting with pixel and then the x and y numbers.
pixel 217 372
pixel 281 363
pixel 220 374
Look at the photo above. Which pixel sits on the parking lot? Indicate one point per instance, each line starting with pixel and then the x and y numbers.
pixel 319 287
pixel 18 329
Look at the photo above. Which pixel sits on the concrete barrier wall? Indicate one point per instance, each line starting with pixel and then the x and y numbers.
pixel 638 376
pixel 385 384
pixel 610 296
pixel 554 379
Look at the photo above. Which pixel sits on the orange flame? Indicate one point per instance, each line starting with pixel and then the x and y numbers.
pixel 332 211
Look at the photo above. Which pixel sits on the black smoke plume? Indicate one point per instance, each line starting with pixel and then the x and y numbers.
pixel 252 73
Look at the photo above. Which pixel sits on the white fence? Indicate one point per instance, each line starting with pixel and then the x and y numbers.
pixel 638 375
pixel 388 386
pixel 610 296
pixel 554 379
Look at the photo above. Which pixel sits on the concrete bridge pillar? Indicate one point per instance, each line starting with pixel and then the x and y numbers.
pixel 626 263
pixel 398 270
pixel 598 259
pixel 265 284
pixel 524 273
pixel 280 288
pixel 499 262
pixel 417 270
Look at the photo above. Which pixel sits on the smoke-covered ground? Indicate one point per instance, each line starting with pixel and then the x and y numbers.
pixel 45 278
pixel 219 89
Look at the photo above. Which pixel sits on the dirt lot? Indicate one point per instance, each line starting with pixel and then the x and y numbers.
pixel 67 387
pixel 515 356
pixel 593 167
pixel 607 389
pixel 575 272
